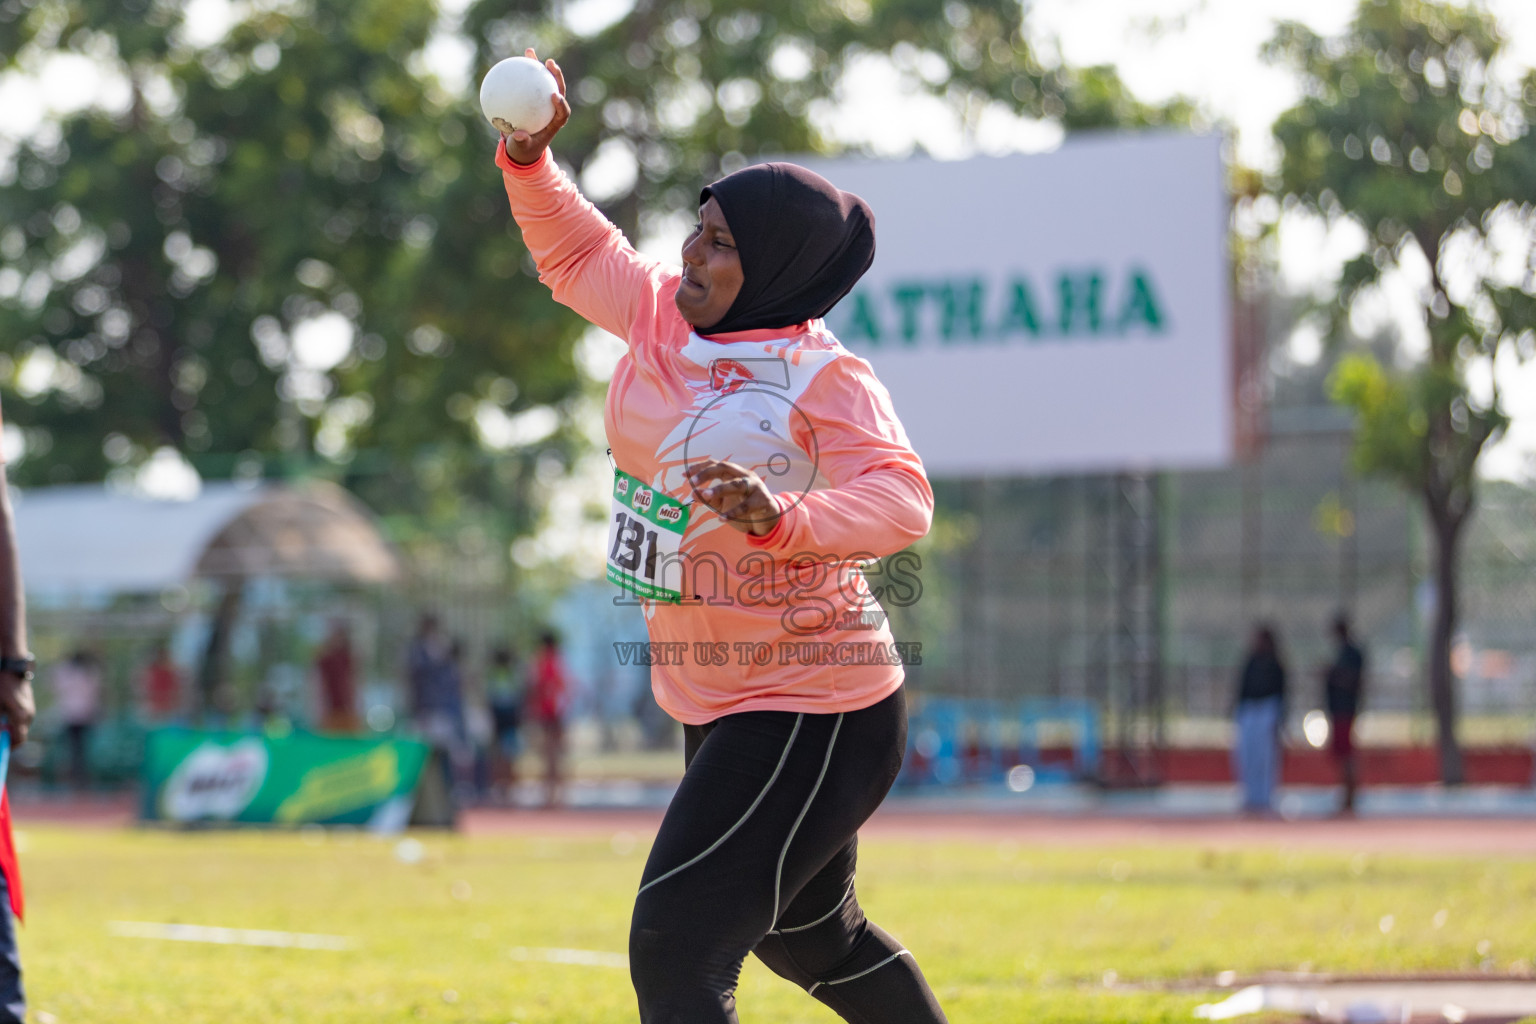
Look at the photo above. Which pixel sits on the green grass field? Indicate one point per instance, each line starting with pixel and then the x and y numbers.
pixel 1006 933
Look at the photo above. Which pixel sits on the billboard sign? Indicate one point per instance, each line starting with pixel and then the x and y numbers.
pixel 1055 313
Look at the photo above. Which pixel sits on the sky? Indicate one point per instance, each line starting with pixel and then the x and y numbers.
pixel 1206 50
pixel 1209 50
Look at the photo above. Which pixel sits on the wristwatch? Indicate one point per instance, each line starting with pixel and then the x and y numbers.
pixel 22 665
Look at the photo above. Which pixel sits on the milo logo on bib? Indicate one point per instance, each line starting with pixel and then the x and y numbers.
pixel 644 538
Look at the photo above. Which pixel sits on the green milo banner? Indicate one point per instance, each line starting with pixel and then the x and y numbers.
pixel 193 776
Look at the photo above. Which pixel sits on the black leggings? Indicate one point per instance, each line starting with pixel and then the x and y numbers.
pixel 757 854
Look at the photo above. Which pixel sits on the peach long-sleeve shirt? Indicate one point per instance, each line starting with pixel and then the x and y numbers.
pixel 784 622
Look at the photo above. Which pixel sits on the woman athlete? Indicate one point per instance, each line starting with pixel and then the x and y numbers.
pixel 794 728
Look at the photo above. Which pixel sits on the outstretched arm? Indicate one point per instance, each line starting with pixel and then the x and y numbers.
pixel 586 261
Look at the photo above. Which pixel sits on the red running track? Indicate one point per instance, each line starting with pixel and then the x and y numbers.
pixel 1408 836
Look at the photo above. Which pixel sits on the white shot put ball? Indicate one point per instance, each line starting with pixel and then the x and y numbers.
pixel 516 94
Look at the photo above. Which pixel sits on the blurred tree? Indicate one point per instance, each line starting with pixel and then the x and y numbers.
pixel 215 263
pixel 1409 130
pixel 291 240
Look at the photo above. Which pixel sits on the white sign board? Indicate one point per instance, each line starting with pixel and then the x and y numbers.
pixel 1059 313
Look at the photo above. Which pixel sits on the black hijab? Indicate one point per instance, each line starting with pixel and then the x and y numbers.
pixel 804 243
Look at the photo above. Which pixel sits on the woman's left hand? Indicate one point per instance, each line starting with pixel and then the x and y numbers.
pixel 737 495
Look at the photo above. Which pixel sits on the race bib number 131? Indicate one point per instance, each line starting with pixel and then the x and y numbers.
pixel 645 534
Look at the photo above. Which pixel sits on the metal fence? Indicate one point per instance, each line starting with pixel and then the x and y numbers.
pixel 1133 593
pixel 1138 592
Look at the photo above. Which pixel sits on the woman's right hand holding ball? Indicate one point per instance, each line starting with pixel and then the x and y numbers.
pixel 525 147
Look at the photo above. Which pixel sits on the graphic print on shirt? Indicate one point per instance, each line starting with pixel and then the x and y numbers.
pixel 730 375
pixel 755 424
pixel 744 411
pixel 741 408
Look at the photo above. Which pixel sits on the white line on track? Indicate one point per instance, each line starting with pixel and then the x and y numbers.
pixel 582 957
pixel 226 936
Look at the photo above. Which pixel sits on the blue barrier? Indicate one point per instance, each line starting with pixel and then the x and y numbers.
pixel 957 740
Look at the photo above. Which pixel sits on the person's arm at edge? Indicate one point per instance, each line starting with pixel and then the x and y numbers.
pixel 16 699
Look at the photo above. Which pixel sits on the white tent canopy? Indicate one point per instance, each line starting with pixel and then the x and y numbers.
pixel 90 539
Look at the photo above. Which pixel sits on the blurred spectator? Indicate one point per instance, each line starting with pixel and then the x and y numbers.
pixel 336 673
pixel 433 683
pixel 77 695
pixel 479 730
pixel 1343 684
pixel 437 700
pixel 160 687
pixel 1260 714
pixel 505 690
pixel 548 699
pixel 268 714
